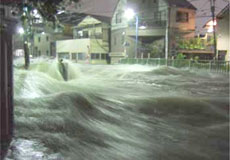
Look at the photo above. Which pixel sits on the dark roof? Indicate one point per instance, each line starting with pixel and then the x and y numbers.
pixel 224 11
pixel 181 3
pixel 71 18
pixel 102 18
pixel 103 8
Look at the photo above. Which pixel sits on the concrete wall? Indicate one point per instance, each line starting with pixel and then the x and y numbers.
pixel 223 35
pixel 73 46
pixel 87 47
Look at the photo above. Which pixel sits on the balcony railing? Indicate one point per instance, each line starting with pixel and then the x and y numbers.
pixel 149 23
pixel 208 65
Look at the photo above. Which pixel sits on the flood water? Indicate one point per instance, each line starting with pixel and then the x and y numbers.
pixel 119 112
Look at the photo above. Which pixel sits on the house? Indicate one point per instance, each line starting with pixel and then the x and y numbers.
pixel 221 23
pixel 161 23
pixel 223 46
pixel 90 43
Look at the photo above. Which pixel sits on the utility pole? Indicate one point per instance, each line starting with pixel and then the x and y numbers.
pixel 137 29
pixel 167 35
pixel 212 2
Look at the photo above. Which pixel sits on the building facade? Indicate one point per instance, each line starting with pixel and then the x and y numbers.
pixel 90 43
pixel 160 23
pixel 223 46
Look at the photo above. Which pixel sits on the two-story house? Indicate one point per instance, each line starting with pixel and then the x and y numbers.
pixel 160 23
pixel 44 41
pixel 90 43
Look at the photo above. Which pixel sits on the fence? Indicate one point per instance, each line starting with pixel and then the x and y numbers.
pixel 209 65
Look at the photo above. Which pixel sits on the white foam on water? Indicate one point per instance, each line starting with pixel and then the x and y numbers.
pixel 119 112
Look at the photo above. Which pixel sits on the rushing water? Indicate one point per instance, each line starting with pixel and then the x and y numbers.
pixel 119 112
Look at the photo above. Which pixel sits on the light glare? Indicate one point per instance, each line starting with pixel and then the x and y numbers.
pixel 129 13
pixel 21 30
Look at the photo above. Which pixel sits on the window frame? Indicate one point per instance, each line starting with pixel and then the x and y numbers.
pixel 118 18
pixel 180 18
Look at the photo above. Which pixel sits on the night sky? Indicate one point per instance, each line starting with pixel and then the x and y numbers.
pixel 106 7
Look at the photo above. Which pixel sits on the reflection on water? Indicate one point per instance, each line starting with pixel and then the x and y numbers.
pixel 119 112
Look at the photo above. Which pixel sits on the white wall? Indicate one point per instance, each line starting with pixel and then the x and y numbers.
pixel 223 40
pixel 73 46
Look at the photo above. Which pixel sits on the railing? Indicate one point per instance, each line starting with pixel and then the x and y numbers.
pixel 212 66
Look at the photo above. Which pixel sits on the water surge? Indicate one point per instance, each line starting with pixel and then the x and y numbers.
pixel 119 112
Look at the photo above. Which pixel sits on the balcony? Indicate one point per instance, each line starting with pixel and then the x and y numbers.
pixel 151 27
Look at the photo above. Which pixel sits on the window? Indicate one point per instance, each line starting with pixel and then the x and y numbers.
pixel 85 34
pixel 39 39
pixel 154 1
pixel 2 12
pixel 103 56
pixel 74 56
pixel 39 53
pixel 222 54
pixel 47 38
pixel 79 34
pixel 47 52
pixel 118 18
pixel 181 16
pixel 81 56
pixel 64 55
pixel 95 56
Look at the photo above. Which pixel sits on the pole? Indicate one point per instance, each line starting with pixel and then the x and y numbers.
pixel 214 27
pixel 137 24
pixel 167 37
pixel 26 53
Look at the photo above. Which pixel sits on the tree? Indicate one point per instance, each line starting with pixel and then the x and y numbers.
pixel 36 11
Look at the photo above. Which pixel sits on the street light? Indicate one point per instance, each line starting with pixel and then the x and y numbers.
pixel 129 14
pixel 21 30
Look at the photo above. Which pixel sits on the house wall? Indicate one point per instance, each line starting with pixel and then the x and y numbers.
pixel 182 26
pixel 86 47
pixel 153 15
pixel 223 35
pixel 18 45
pixel 42 47
pixel 73 46
pixel 95 44
pixel 123 36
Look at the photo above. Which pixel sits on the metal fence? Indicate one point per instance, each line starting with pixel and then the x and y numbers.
pixel 209 65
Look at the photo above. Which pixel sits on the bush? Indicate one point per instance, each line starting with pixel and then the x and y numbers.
pixel 180 56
